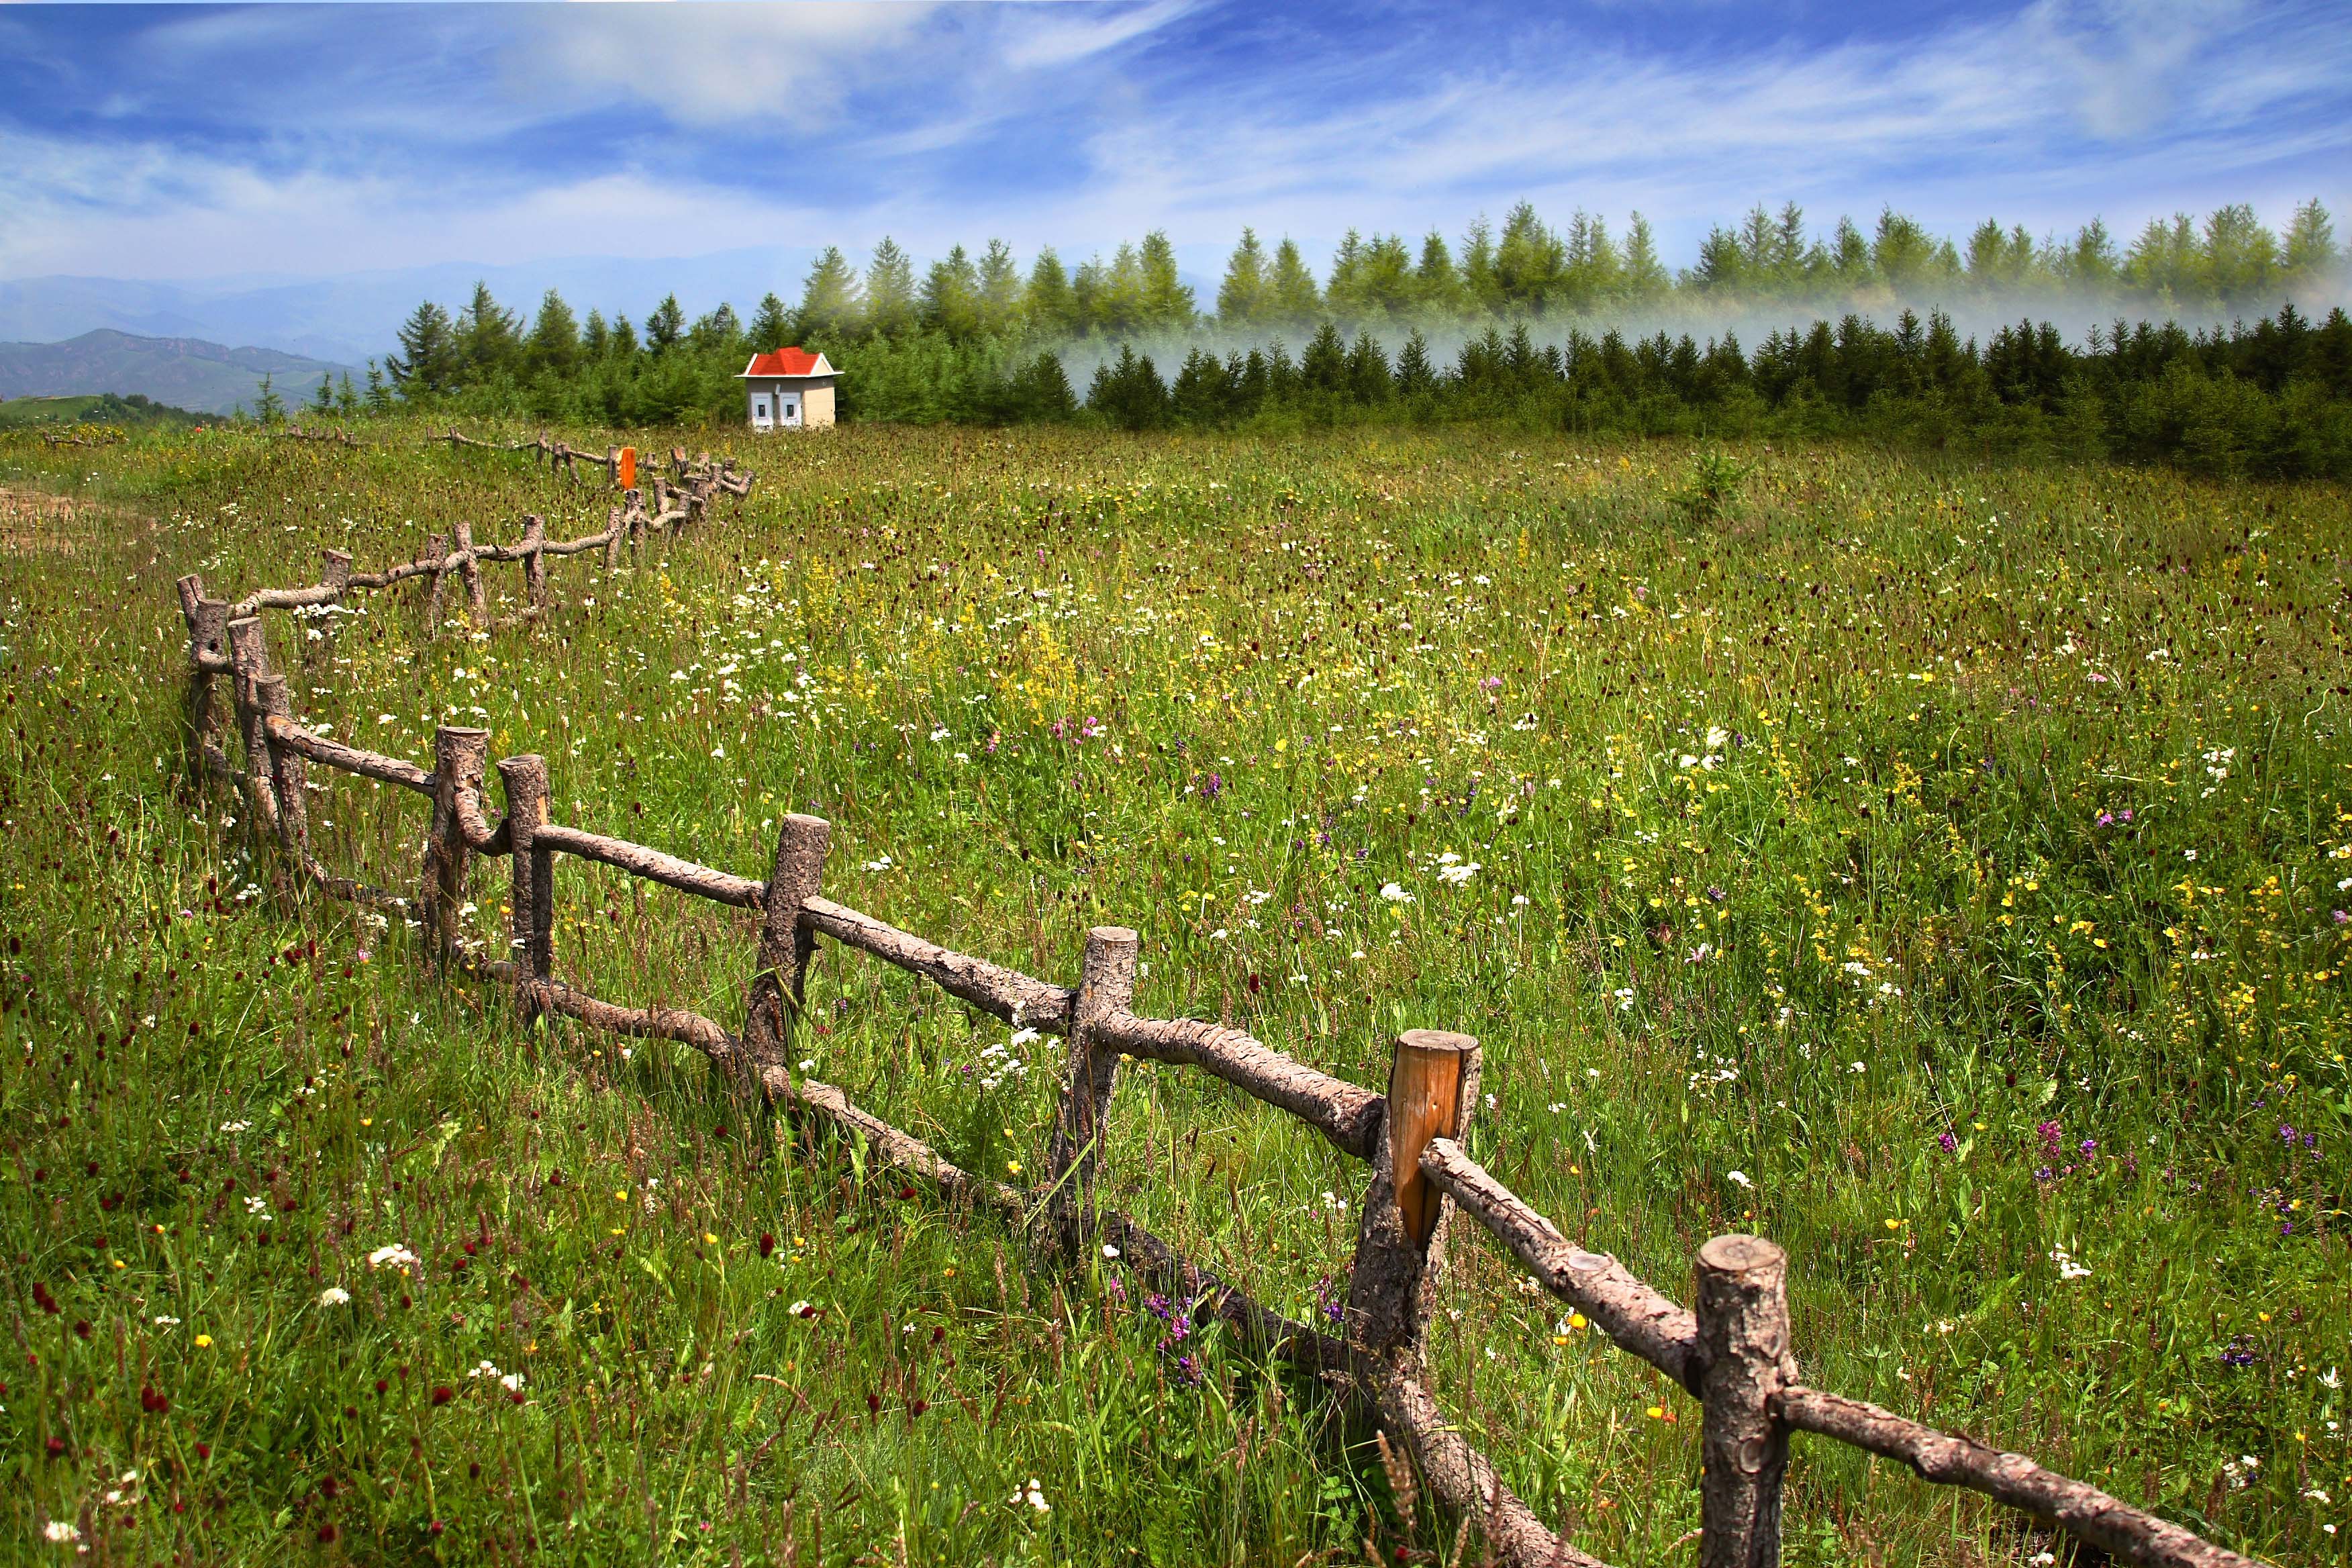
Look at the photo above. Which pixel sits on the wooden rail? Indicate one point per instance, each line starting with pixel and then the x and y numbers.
pixel 1732 1352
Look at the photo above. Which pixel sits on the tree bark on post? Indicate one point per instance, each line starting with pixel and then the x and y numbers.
pixel 1743 1336
pixel 335 569
pixel 436 549
pixel 469 572
pixel 534 561
pixel 1106 985
pixel 248 651
pixel 772 1000
pixel 457 756
pixel 207 638
pixel 532 943
pixel 1401 1239
pixel 290 772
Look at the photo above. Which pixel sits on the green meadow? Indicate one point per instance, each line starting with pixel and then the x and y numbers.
pixel 1939 867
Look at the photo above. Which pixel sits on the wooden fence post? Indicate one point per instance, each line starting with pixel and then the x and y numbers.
pixel 335 569
pixel 1743 1338
pixel 288 768
pixel 248 651
pixel 458 755
pixel 1401 1241
pixel 469 572
pixel 1106 985
pixel 436 546
pixel 532 944
pixel 772 1000
pixel 207 638
pixel 534 561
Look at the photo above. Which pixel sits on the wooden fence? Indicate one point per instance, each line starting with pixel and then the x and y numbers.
pixel 1731 1352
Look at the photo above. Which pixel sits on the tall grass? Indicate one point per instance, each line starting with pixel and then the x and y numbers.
pixel 1934 867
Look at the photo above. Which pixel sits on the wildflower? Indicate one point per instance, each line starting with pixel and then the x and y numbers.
pixel 2067 1267
pixel 334 1295
pixel 1110 1251
pixel 1395 894
pixel 393 1256
pixel 1738 1179
pixel 1945 1142
pixel 1461 873
pixel 1033 1495
pixel 203 1342
pixel 60 1532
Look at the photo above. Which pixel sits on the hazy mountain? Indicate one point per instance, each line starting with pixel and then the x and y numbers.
pixel 354 317
pixel 186 373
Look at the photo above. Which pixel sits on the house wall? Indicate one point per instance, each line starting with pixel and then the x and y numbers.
pixel 815 395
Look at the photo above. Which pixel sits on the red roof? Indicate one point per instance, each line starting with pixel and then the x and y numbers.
pixel 788 362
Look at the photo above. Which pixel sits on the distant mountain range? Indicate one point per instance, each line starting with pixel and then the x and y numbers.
pixel 186 373
pixel 354 317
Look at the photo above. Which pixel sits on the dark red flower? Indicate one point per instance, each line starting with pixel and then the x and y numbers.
pixel 443 1395
pixel 327 1532
pixel 56 1446
pixel 151 1401
pixel 767 1247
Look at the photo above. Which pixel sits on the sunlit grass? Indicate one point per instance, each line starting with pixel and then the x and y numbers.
pixel 1932 868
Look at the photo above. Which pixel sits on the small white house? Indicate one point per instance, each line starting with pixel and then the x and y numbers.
pixel 791 389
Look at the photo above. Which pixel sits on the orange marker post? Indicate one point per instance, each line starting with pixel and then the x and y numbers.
pixel 628 469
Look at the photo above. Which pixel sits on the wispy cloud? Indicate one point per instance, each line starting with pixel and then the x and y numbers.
pixel 176 142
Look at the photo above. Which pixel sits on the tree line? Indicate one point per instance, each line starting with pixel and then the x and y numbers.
pixel 2273 399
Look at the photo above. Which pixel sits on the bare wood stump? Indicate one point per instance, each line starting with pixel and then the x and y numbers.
pixel 1400 1240
pixel 1743 1334
pixel 771 1003
pixel 1106 985
pixel 457 756
pixel 335 569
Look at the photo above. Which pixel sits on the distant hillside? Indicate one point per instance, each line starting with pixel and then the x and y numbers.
pixel 185 372
pixel 92 409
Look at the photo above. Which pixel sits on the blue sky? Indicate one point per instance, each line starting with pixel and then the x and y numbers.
pixel 185 142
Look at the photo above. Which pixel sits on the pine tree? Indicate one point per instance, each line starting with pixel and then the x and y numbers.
pixel 268 406
pixel 1053 308
pixel 950 296
pixel 1323 366
pixel 553 346
pixel 771 324
pixel 1415 376
pixel 1199 397
pixel 347 397
pixel 1167 302
pixel 595 337
pixel 1436 285
pixel 832 303
pixel 717 331
pixel 1479 267
pixel 2311 254
pixel 426 365
pixel 889 290
pixel 1527 260
pixel 322 402
pixel 1368 378
pixel 1644 276
pixel 1294 299
pixel 379 396
pixel 1041 391
pixel 488 342
pixel 1000 288
pixel 666 327
pixel 1244 297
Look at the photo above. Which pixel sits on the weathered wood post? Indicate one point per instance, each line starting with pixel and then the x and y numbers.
pixel 469 572
pixel 1401 1239
pixel 457 756
pixel 1743 1337
pixel 534 560
pixel 335 569
pixel 289 768
pixel 436 547
pixel 772 1000
pixel 616 532
pixel 1106 985
pixel 532 944
pixel 248 652
pixel 207 639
